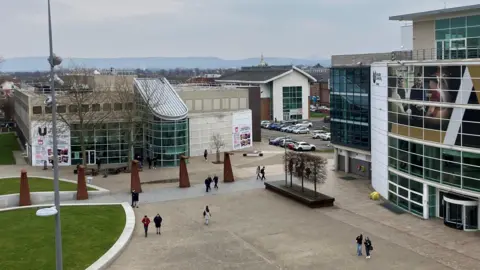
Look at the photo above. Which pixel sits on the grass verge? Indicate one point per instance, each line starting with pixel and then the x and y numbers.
pixel 317 115
pixel 12 185
pixel 8 144
pixel 28 241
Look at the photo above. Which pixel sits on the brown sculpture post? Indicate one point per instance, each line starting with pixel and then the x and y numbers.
pixel 227 169
pixel 183 180
pixel 135 178
pixel 24 190
pixel 82 193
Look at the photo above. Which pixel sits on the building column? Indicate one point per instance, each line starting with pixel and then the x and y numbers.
pixel 347 161
pixel 335 162
pixel 426 206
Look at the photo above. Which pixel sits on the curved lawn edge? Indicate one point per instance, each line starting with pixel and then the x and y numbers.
pixel 41 197
pixel 118 247
pixel 51 178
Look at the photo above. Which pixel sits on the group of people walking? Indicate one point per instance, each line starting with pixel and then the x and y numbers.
pixel 158 223
pixel 261 173
pixel 367 243
pixel 208 183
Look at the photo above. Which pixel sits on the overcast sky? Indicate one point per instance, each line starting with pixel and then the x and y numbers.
pixel 229 29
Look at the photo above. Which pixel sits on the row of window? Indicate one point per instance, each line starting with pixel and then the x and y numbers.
pixel 351 135
pixel 350 80
pixel 457 22
pixel 405 193
pixel 454 33
pixel 106 107
pixel 445 166
pixel 426 95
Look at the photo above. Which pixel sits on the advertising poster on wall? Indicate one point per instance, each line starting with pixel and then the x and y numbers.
pixel 424 103
pixel 42 143
pixel 242 129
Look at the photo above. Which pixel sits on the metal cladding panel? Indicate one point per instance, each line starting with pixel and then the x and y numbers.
pixel 162 98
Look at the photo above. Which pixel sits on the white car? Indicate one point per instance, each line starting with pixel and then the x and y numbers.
pixel 317 135
pixel 265 124
pixel 307 124
pixel 325 136
pixel 301 130
pixel 303 146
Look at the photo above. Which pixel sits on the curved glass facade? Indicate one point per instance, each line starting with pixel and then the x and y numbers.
pixel 166 140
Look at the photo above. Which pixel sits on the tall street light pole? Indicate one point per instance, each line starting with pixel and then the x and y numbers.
pixel 58 228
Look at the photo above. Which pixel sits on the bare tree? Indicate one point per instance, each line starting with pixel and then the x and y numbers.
pixel 83 103
pixel 312 168
pixel 317 170
pixel 217 143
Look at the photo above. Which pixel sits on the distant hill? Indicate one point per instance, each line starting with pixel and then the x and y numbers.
pixel 41 64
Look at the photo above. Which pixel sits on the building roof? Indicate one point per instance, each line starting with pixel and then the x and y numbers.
pixel 262 74
pixel 438 12
pixel 162 98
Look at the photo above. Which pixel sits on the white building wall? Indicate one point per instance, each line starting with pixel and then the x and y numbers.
pixel 292 79
pixel 204 125
pixel 379 127
pixel 265 91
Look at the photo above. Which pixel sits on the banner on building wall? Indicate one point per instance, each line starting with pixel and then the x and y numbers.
pixel 424 103
pixel 42 143
pixel 242 129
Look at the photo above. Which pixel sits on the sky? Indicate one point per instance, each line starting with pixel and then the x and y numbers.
pixel 229 29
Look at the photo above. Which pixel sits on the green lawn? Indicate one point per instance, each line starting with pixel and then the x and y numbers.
pixel 28 242
pixel 12 185
pixel 317 115
pixel 8 144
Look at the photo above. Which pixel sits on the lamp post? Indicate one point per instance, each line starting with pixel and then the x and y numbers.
pixel 54 61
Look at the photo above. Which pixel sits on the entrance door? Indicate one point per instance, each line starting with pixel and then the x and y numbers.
pixel 460 213
pixel 441 50
pixel 91 157
pixel 458 48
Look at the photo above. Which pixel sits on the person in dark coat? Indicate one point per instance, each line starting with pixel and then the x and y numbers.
pixel 208 182
pixel 99 164
pixel 368 247
pixel 149 160
pixel 146 222
pixel 158 222
pixel 135 198
pixel 262 172
pixel 359 241
pixel 205 154
pixel 215 181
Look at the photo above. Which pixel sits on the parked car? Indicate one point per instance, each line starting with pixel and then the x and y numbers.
pixel 301 130
pixel 280 126
pixel 291 145
pixel 286 142
pixel 290 129
pixel 284 128
pixel 277 141
pixel 317 134
pixel 303 146
pixel 265 124
pixel 273 125
pixel 325 136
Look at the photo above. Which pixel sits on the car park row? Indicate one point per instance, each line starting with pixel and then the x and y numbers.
pixel 297 128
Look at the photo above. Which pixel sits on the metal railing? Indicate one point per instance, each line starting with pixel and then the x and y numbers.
pixel 454 53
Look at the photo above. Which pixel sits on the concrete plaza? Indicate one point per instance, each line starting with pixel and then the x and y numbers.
pixel 260 230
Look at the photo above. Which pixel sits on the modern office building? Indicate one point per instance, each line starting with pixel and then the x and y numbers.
pixel 164 129
pixel 350 80
pixel 426 120
pixel 284 89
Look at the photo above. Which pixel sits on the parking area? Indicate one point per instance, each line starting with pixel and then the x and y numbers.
pixel 319 144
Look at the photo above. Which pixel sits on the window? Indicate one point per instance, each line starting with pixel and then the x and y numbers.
pixel 85 108
pixel 117 106
pixel 129 106
pixel 473 20
pixel 37 109
pixel 442 24
pixel 107 107
pixel 96 107
pixel 61 109
pixel 73 108
pixel 48 109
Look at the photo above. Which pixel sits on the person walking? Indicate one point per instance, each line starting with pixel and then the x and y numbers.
pixel 215 181
pixel 146 222
pixel 205 154
pixel 258 173
pixel 135 197
pixel 149 160
pixel 359 241
pixel 368 247
pixel 158 222
pixel 262 172
pixel 99 164
pixel 207 184
pixel 206 215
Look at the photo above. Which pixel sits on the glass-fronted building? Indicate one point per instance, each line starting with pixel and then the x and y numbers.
pixel 350 118
pixel 458 37
pixel 292 102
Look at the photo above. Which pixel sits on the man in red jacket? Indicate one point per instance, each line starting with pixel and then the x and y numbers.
pixel 146 222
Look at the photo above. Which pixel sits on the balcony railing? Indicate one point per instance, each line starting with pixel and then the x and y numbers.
pixel 454 53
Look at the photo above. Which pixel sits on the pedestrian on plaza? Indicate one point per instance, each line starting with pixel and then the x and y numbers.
pixel 262 172
pixel 135 198
pixel 149 160
pixel 206 215
pixel 146 222
pixel 208 182
pixel 368 246
pixel 51 161
pixel 359 241
pixel 158 222
pixel 258 173
pixel 215 181
pixel 205 154
pixel 154 161
pixel 99 164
